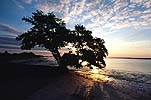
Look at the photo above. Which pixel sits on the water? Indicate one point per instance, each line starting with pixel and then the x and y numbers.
pixel 132 65
pixel 130 70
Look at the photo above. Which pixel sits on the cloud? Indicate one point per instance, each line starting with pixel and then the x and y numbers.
pixel 111 14
pixel 18 4
pixel 28 1
pixel 8 30
pixel 8 46
pixel 7 42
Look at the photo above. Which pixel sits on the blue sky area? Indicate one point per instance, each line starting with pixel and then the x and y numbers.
pixel 125 25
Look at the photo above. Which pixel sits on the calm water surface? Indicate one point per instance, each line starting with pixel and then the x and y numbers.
pixel 132 65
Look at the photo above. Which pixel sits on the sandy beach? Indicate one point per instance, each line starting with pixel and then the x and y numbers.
pixel 40 84
pixel 71 86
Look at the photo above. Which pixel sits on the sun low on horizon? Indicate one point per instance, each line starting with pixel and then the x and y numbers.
pixel 125 25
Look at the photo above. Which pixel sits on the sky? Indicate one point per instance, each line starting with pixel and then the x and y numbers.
pixel 125 25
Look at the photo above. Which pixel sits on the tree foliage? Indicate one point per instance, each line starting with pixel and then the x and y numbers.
pixel 50 32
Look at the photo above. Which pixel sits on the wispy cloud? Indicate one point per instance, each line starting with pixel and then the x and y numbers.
pixel 7 42
pixel 17 3
pixel 8 46
pixel 8 30
pixel 28 1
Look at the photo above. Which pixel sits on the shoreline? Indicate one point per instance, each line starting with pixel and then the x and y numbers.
pixel 145 58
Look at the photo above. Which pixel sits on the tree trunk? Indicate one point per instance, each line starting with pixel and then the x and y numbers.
pixel 57 56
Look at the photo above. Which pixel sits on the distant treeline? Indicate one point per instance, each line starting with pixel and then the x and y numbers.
pixel 7 56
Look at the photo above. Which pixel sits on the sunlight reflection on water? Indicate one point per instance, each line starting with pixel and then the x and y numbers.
pixel 95 74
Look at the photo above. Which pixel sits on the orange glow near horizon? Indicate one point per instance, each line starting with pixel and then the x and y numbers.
pixel 129 53
pixel 119 48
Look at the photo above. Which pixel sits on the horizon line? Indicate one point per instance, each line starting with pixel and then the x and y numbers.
pixel 130 57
